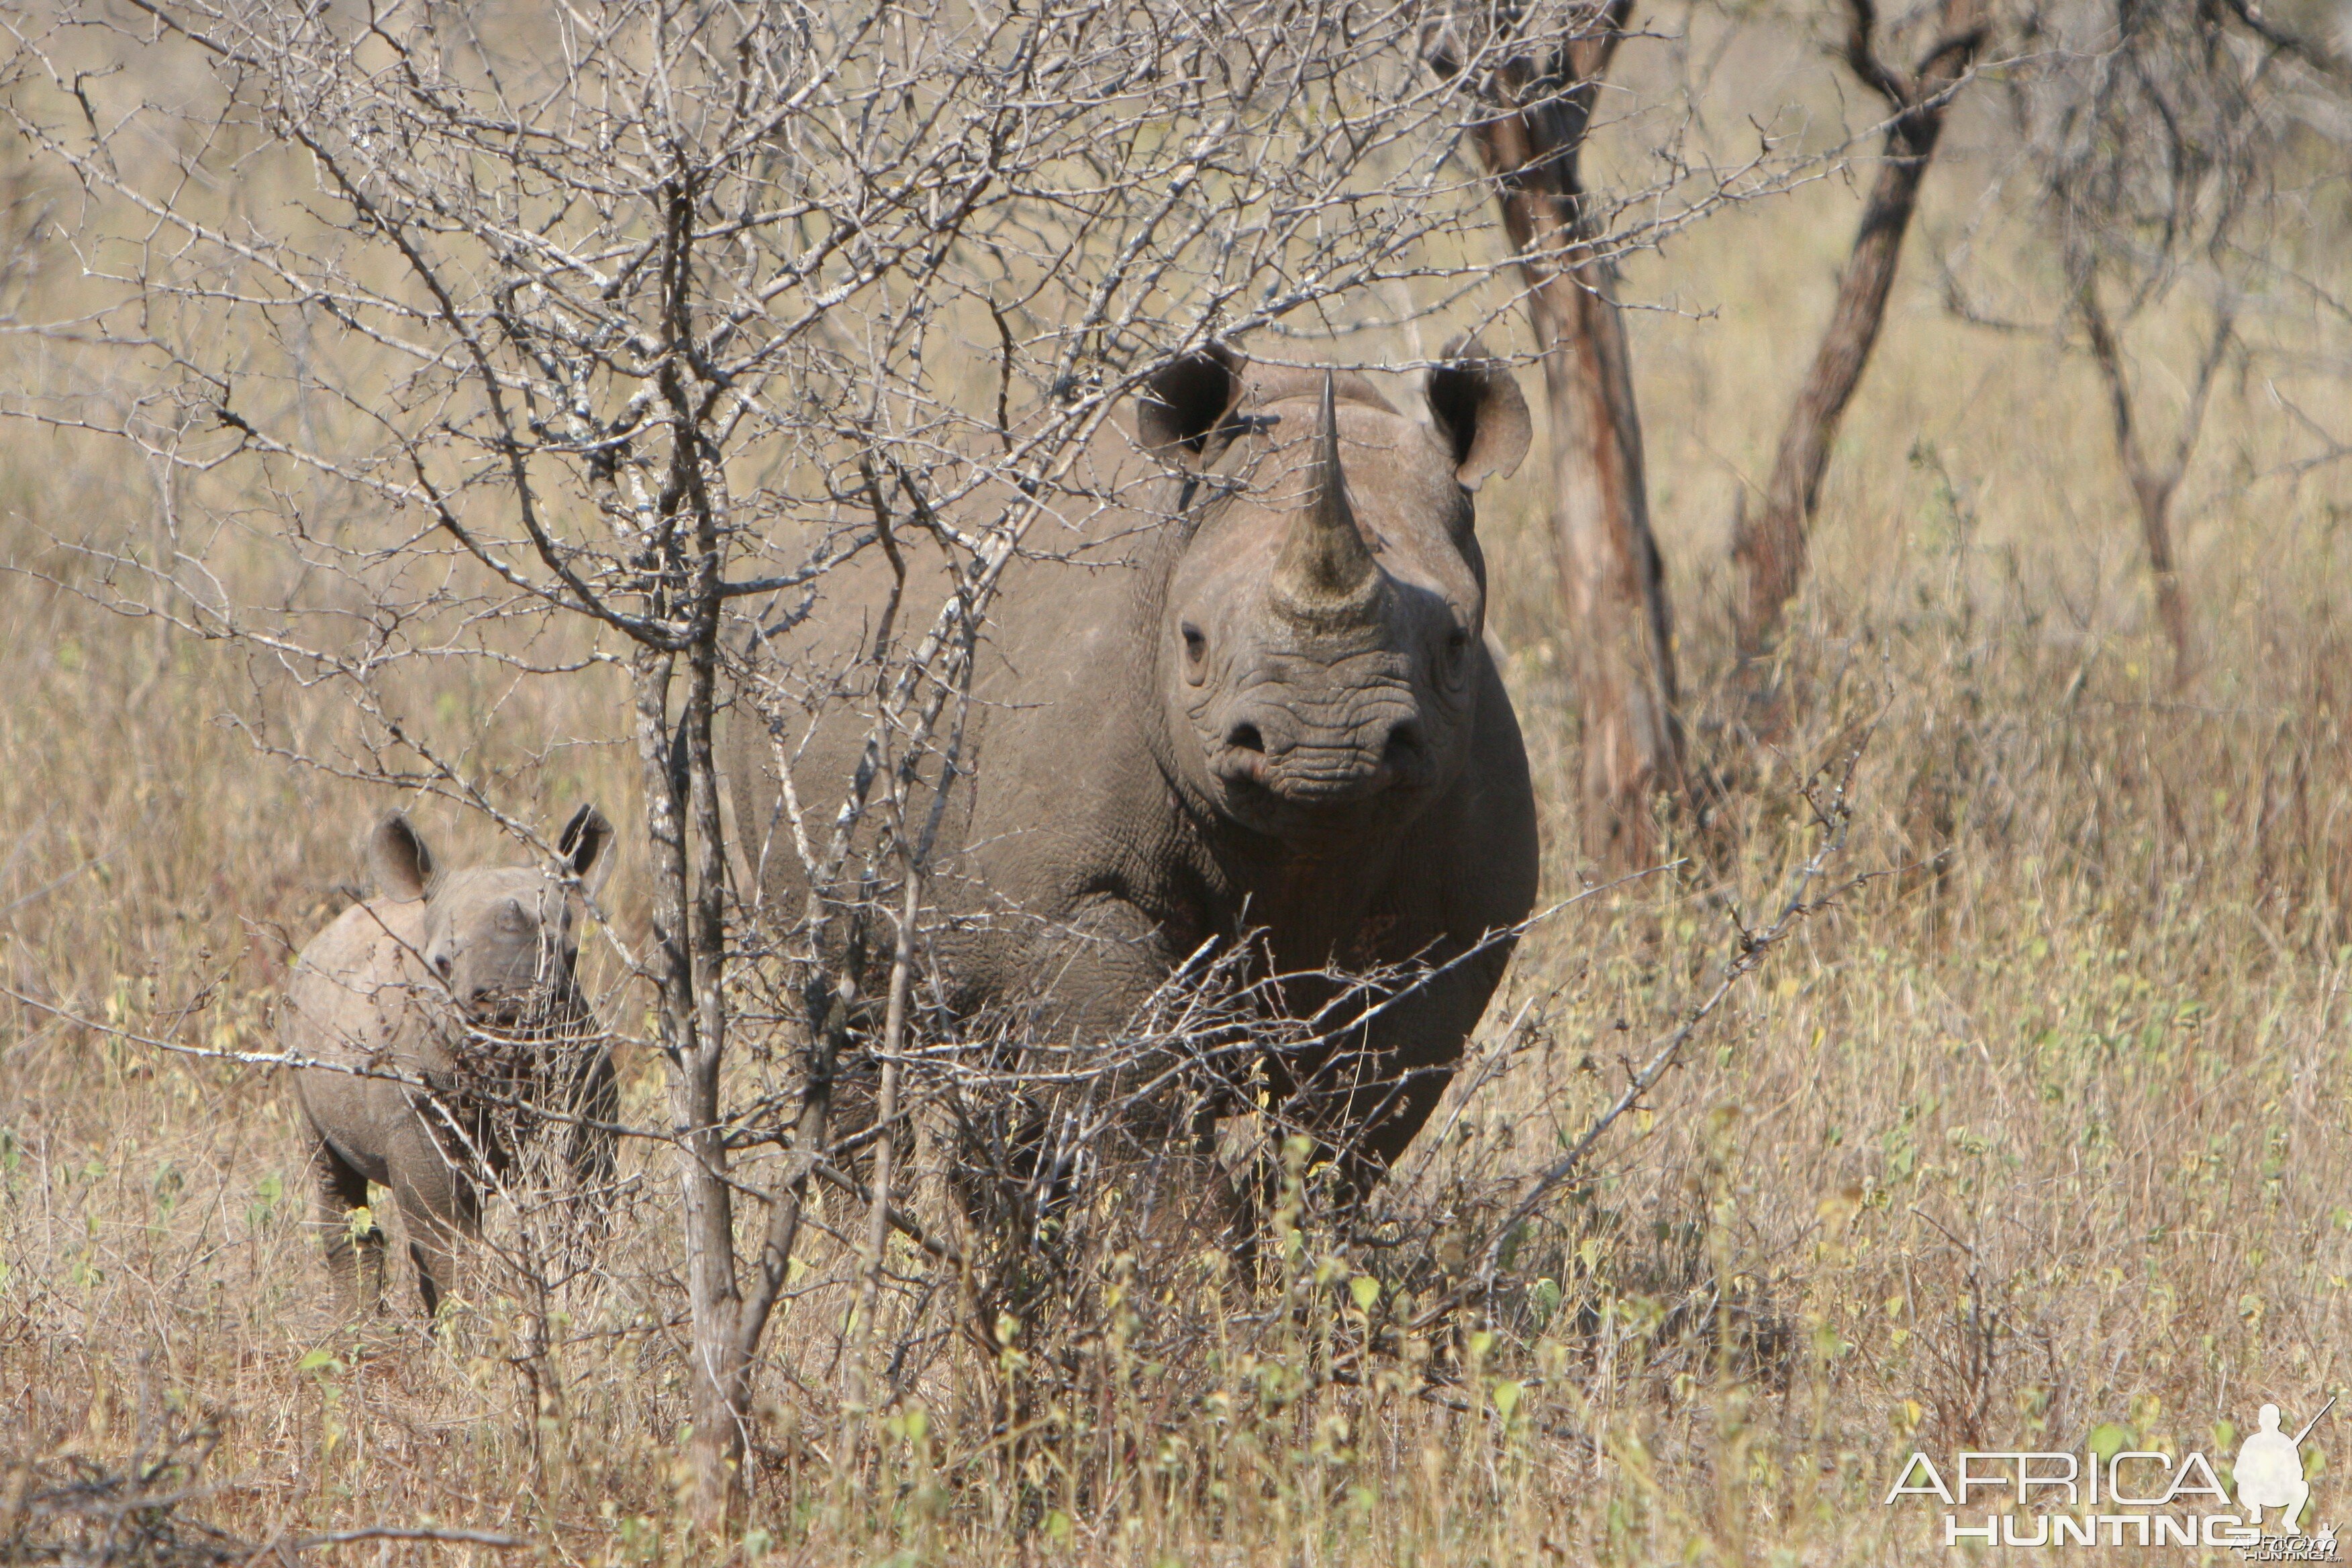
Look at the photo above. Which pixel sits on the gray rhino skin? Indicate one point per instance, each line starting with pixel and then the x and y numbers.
pixel 390 987
pixel 1253 694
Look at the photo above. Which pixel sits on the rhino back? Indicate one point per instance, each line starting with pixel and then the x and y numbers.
pixel 1059 795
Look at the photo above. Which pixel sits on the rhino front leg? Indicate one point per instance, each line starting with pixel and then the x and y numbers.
pixel 354 1262
pixel 1365 1105
pixel 1084 983
pixel 438 1207
pixel 435 1217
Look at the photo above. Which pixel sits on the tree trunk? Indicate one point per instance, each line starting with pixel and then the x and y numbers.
pixel 2153 486
pixel 2154 503
pixel 680 769
pixel 1610 578
pixel 719 1373
pixel 1769 548
pixel 1609 574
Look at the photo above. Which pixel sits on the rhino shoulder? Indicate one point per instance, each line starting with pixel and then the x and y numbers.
pixel 356 986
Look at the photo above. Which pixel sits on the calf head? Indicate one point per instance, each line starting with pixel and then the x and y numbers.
pixel 1320 651
pixel 502 941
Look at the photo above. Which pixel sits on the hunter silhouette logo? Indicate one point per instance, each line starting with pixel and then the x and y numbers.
pixel 2112 1495
pixel 2270 1470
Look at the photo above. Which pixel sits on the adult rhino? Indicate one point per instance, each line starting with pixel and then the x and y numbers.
pixel 438 1011
pixel 1249 692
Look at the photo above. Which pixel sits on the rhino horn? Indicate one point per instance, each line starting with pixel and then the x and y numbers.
pixel 1326 571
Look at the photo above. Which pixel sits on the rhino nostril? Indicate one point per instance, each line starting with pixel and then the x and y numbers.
pixel 1405 744
pixel 1245 737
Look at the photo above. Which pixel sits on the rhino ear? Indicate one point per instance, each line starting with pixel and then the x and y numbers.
pixel 1479 414
pixel 1185 401
pixel 397 854
pixel 587 848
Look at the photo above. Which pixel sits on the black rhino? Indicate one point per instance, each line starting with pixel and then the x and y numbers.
pixel 1250 692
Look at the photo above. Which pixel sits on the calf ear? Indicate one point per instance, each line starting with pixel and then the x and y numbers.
pixel 587 846
pixel 396 853
pixel 1185 401
pixel 1479 414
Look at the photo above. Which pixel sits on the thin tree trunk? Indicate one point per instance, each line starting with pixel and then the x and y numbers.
pixel 2172 603
pixel 2153 486
pixel 1609 575
pixel 679 766
pixel 714 1448
pixel 720 1429
pixel 863 1397
pixel 1610 572
pixel 1769 548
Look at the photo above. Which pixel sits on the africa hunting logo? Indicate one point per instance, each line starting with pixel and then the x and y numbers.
pixel 2131 1498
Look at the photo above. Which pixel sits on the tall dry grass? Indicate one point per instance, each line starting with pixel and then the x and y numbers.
pixel 2043 1128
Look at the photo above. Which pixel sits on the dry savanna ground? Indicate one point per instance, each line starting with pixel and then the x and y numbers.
pixel 2041 1131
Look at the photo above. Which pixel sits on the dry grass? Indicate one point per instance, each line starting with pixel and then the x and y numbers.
pixel 2045 1127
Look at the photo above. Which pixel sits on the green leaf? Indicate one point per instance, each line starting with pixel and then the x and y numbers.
pixel 1366 1291
pixel 2108 1439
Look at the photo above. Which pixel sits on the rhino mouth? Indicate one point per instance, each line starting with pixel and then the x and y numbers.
pixel 1308 778
pixel 1249 776
pixel 524 1013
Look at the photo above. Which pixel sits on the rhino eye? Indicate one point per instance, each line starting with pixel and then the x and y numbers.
pixel 1457 650
pixel 1196 651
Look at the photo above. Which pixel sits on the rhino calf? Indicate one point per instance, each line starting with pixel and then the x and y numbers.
pixel 434 1011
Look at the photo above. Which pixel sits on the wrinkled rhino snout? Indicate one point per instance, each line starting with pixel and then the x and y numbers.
pixel 1258 755
pixel 526 1009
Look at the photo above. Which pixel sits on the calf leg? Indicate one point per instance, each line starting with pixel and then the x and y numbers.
pixel 438 1205
pixel 436 1215
pixel 354 1263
